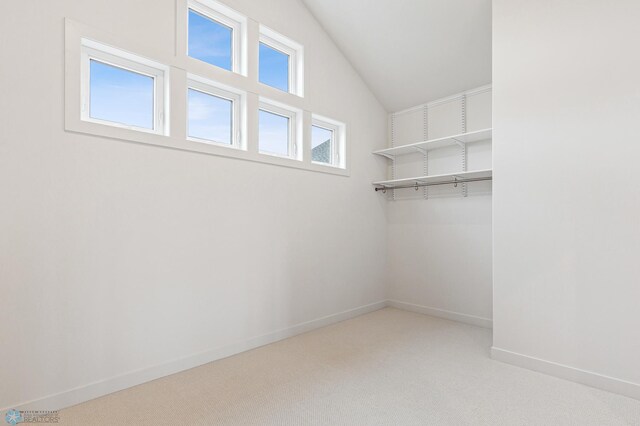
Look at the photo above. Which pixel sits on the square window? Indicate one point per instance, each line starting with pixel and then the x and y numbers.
pixel 121 89
pixel 277 130
pixel 274 67
pixel 210 41
pixel 280 62
pixel 210 117
pixel 213 113
pixel 215 34
pixel 120 96
pixel 327 142
pixel 274 133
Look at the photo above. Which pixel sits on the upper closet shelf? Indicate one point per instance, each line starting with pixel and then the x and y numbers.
pixel 428 145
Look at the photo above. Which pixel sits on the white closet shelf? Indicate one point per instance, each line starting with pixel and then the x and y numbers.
pixel 448 178
pixel 428 145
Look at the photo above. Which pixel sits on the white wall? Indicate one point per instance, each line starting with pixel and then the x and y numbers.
pixel 440 247
pixel 566 193
pixel 117 257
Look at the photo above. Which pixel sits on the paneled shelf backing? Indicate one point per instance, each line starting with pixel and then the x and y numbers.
pixel 428 145
pixel 445 179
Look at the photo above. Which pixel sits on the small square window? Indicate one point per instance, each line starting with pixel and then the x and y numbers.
pixel 280 62
pixel 274 133
pixel 213 114
pixel 210 41
pixel 214 34
pixel 327 142
pixel 121 89
pixel 274 67
pixel 210 117
pixel 277 131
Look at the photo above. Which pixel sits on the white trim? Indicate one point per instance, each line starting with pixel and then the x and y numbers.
pixel 104 387
pixel 294 50
pixel 100 388
pixel 238 101
pixel 451 98
pixel 294 131
pixel 442 313
pixel 589 378
pixel 227 17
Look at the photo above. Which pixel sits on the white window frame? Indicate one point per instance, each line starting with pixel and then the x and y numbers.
pixel 294 50
pixel 338 140
pixel 229 18
pixel 91 50
pixel 294 148
pixel 237 99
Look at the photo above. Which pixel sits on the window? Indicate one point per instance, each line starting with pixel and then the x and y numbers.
pixel 277 131
pixel 119 95
pixel 280 62
pixel 121 89
pixel 322 141
pixel 214 34
pixel 213 113
pixel 198 96
pixel 327 142
pixel 274 67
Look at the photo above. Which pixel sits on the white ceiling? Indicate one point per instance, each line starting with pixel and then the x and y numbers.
pixel 412 51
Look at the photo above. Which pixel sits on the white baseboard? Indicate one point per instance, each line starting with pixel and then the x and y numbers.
pixel 104 387
pixel 441 313
pixel 573 374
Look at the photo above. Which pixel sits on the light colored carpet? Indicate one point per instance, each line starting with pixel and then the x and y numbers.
pixel 388 367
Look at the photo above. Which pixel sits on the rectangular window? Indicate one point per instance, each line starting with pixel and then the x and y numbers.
pixel 274 67
pixel 327 142
pixel 121 89
pixel 215 34
pixel 210 41
pixel 213 114
pixel 322 141
pixel 280 62
pixel 120 96
pixel 277 131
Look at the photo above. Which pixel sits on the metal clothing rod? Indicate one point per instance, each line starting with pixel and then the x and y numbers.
pixel 421 184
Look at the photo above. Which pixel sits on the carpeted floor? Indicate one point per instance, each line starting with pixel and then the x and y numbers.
pixel 388 367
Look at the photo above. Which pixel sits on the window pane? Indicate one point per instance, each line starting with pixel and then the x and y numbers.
pixel 209 40
pixel 274 67
pixel 273 133
pixel 120 95
pixel 210 117
pixel 321 139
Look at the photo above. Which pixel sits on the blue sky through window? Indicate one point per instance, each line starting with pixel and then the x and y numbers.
pixel 209 40
pixel 120 95
pixel 210 117
pixel 273 133
pixel 274 67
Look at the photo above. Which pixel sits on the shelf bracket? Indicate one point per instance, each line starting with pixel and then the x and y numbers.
pixel 389 156
pixel 459 143
pixel 421 150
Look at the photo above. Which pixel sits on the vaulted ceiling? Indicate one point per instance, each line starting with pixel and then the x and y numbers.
pixel 412 51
